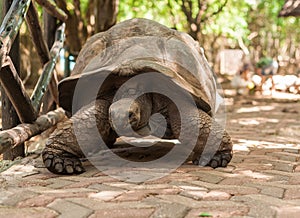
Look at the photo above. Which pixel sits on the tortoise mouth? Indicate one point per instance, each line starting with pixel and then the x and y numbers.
pixel 124 116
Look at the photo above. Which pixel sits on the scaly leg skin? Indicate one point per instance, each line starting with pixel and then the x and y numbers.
pixel 62 152
pixel 214 145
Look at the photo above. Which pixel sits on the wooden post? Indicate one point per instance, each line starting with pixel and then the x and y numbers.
pixel 36 32
pixel 15 90
pixel 9 115
pixel 46 76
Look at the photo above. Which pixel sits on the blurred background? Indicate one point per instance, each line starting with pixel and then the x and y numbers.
pixel 235 34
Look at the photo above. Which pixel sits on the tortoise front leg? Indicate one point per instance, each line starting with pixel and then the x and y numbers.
pixel 62 152
pixel 213 147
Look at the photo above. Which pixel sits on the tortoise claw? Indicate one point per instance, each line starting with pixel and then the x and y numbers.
pixel 221 159
pixel 61 164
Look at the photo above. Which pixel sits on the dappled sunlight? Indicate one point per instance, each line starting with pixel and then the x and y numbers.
pixel 241 147
pixel 255 109
pixel 254 175
pixel 254 121
pixel 18 170
pixel 241 144
pixel 248 122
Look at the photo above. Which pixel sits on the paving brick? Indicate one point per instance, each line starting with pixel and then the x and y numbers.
pixel 227 169
pixel 281 173
pixel 192 187
pixel 197 204
pixel 284 166
pixel 172 177
pixel 197 195
pixel 254 166
pixel 81 184
pixel 216 195
pixel 39 189
pixel 148 186
pixel 106 195
pixel 102 187
pixel 234 181
pixel 58 183
pixel 237 158
pixel 18 196
pixel 273 191
pixel 68 209
pixel 208 177
pixel 95 204
pixel 33 182
pixel 224 213
pixel 93 179
pixel 33 212
pixel 258 206
pixel 181 200
pixel 290 212
pixel 293 193
pixel 123 213
pixel 37 201
pixel 45 199
pixel 264 199
pixel 163 209
pixel 258 152
pixel 4 195
pixel 44 175
pixel 292 150
pixel 208 196
pixel 137 195
pixel 286 156
pixel 294 180
pixel 230 189
pixel 67 191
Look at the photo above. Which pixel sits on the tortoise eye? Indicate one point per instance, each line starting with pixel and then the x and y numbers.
pixel 130 114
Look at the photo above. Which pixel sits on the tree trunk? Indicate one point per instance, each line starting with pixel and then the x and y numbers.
pixel 106 12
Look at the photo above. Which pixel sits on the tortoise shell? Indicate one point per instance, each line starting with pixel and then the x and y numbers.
pixel 139 45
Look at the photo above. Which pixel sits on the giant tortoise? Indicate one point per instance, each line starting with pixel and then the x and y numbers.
pixel 138 78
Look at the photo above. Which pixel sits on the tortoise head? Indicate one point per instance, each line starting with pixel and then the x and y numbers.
pixel 129 113
pixel 124 113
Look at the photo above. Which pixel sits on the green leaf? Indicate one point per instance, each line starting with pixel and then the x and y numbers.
pixel 205 214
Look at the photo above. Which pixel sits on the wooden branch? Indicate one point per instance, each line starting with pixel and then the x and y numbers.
pixel 37 34
pixel 52 9
pixel 214 13
pixel 14 88
pixel 19 134
pixel 46 76
pixel 11 25
pixel 187 12
pixel 202 7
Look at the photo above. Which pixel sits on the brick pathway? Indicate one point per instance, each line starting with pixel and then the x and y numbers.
pixel 261 181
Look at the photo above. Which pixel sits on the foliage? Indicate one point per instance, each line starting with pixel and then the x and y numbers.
pixel 263 62
pixel 252 25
